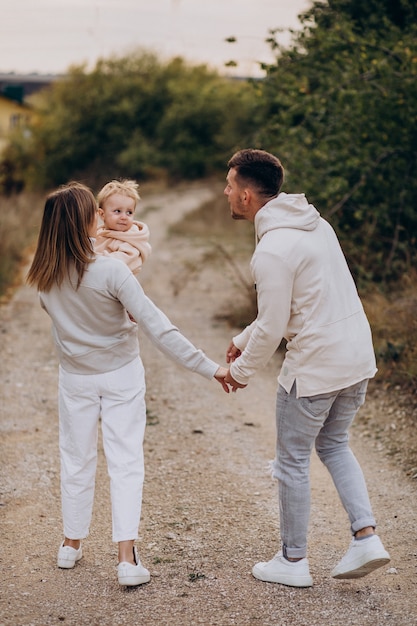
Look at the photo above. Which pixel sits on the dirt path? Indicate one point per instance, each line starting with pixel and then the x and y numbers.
pixel 210 508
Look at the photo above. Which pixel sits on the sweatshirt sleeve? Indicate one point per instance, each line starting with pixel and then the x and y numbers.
pixel 274 288
pixel 163 334
pixel 241 340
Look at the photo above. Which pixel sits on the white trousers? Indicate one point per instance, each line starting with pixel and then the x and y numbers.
pixel 119 398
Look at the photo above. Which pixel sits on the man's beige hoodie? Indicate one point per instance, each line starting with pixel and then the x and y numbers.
pixel 306 294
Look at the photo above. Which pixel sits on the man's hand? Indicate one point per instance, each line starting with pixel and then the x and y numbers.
pixel 220 376
pixel 232 353
pixel 232 382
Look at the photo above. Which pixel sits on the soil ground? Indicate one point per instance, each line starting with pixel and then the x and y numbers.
pixel 210 507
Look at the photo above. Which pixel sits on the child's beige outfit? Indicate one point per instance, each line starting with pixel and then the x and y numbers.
pixel 131 246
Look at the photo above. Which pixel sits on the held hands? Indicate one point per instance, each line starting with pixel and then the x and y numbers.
pixel 225 379
pixel 231 355
pixel 223 375
pixel 232 382
pixel 220 376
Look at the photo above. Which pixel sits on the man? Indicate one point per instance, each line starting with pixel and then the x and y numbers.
pixel 306 294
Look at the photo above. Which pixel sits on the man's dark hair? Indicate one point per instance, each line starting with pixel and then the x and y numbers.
pixel 259 168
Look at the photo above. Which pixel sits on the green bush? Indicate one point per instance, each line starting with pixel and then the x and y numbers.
pixel 341 112
pixel 133 116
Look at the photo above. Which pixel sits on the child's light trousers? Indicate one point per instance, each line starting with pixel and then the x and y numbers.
pixel 118 397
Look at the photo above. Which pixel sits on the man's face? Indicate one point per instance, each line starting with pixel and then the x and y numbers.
pixel 234 194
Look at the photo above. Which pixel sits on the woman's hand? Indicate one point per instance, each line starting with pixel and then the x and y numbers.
pixel 220 376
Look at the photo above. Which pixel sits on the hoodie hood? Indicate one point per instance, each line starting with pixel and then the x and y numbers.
pixel 286 211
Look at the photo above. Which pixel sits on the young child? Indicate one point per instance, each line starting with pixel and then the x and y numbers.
pixel 100 371
pixel 120 235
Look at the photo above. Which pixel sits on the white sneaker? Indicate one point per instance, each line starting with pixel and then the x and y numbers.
pixel 279 570
pixel 362 557
pixel 67 556
pixel 132 575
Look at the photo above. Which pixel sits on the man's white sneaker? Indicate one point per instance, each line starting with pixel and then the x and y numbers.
pixel 67 556
pixel 362 557
pixel 132 575
pixel 279 570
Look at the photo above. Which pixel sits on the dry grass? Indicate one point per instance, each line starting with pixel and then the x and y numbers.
pixel 20 217
pixel 393 318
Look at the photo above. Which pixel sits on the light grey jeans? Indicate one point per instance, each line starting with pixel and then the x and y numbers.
pixel 323 421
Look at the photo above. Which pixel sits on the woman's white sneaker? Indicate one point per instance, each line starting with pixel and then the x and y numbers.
pixel 362 557
pixel 67 556
pixel 132 575
pixel 279 570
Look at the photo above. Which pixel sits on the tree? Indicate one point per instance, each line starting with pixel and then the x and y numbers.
pixel 341 111
pixel 133 116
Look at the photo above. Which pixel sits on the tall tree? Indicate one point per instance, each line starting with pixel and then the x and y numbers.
pixel 341 110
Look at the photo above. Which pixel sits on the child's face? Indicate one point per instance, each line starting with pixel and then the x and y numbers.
pixel 117 212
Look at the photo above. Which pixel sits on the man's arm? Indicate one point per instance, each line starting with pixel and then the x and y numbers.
pixel 274 282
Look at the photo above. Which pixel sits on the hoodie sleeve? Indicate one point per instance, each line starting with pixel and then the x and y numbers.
pixel 163 334
pixel 241 340
pixel 274 281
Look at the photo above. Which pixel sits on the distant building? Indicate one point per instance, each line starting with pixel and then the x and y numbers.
pixel 12 115
pixel 17 92
pixel 21 87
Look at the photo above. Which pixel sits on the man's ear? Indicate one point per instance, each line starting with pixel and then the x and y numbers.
pixel 246 196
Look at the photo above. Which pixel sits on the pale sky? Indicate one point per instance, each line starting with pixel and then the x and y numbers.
pixel 47 36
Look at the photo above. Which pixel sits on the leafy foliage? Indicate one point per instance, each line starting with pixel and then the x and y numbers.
pixel 339 107
pixel 132 116
pixel 341 112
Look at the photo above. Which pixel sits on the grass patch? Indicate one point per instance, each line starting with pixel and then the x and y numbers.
pixel 20 218
pixel 393 319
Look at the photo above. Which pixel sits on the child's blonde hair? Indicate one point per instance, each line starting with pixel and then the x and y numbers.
pixel 125 186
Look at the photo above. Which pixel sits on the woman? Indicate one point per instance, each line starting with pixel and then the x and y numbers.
pixel 101 374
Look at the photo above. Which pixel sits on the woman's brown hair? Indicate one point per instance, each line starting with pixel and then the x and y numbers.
pixel 64 241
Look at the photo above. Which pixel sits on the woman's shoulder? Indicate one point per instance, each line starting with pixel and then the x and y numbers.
pixel 107 266
pixel 107 263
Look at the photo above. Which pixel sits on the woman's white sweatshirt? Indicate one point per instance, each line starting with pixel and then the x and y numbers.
pixel 92 330
pixel 306 294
